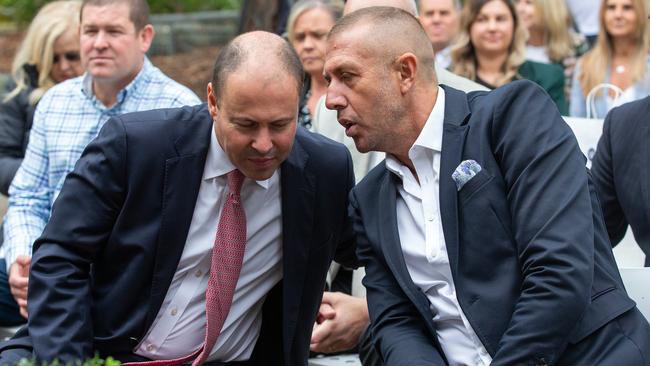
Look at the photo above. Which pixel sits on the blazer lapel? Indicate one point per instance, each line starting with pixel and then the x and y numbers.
pixel 453 138
pixel 297 222
pixel 645 173
pixel 183 175
pixel 392 248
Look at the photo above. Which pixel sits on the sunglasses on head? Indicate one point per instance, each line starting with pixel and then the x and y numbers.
pixel 69 56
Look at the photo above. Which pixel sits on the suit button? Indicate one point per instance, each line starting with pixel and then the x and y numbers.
pixel 541 362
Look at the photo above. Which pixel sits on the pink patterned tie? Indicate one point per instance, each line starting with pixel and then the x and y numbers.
pixel 227 257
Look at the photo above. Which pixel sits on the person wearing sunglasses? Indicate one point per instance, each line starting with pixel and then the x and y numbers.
pixel 48 55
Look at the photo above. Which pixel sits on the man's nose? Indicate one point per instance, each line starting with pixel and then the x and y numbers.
pixel 100 40
pixel 263 142
pixel 334 100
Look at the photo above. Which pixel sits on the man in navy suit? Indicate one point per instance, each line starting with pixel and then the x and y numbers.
pixel 621 169
pixel 124 262
pixel 481 235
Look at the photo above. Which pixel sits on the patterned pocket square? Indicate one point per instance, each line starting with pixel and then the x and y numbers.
pixel 465 171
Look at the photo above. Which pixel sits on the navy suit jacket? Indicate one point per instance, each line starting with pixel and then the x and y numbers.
pixel 621 169
pixel 533 269
pixel 103 264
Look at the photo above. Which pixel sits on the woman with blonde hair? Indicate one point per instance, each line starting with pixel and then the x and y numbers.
pixel 619 58
pixel 491 50
pixel 551 38
pixel 49 54
pixel 308 24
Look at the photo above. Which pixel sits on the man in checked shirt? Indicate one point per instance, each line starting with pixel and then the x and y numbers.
pixel 114 37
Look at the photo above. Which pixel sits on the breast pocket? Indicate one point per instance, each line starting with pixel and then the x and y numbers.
pixel 474 185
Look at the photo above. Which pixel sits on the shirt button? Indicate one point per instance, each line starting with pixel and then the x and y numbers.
pixel 150 348
pixel 174 311
pixel 430 218
pixel 198 273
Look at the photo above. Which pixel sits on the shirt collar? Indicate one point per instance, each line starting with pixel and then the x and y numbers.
pixel 217 163
pixel 140 78
pixel 430 137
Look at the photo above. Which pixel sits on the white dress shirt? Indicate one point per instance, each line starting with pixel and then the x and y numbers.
pixel 423 244
pixel 179 327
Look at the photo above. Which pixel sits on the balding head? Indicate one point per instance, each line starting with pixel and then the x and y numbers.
pixel 263 54
pixel 408 6
pixel 389 32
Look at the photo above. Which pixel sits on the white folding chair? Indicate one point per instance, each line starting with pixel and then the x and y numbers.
pixel 636 283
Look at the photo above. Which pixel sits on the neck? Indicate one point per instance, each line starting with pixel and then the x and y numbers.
pixel 106 90
pixel 536 37
pixel 437 47
pixel 318 86
pixel 624 47
pixel 414 122
pixel 490 65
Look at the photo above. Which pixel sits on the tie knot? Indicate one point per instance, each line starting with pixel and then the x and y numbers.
pixel 235 181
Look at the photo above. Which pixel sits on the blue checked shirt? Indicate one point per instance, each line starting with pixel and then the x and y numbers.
pixel 67 118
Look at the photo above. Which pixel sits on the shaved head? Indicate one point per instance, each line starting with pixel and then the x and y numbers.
pixel 389 33
pixel 263 54
pixel 408 6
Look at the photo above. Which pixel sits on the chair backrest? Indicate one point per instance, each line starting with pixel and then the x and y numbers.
pixel 636 283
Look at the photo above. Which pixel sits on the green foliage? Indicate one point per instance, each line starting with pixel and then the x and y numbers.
pixel 95 361
pixel 22 11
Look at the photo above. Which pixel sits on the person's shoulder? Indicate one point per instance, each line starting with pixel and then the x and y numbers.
pixel 318 145
pixel 630 115
pixel 447 77
pixel 540 72
pixel 65 89
pixel 156 82
pixel 171 116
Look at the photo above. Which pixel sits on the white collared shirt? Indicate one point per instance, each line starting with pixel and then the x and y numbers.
pixel 179 327
pixel 423 243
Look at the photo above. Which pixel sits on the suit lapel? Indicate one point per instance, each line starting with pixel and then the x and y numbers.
pixel 392 248
pixel 182 181
pixel 297 222
pixel 645 173
pixel 453 139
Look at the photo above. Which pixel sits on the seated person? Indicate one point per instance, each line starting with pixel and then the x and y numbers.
pixel 621 173
pixel 214 214
pixel 481 233
pixel 619 57
pixel 48 55
pixel 491 50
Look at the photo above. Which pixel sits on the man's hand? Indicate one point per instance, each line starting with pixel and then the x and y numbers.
pixel 18 279
pixel 340 322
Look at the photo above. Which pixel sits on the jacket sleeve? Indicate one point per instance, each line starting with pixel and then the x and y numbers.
pixel 13 123
pixel 602 172
pixel 60 321
pixel 398 333
pixel 549 202
pixel 345 252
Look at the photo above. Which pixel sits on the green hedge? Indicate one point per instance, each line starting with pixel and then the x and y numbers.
pixel 22 11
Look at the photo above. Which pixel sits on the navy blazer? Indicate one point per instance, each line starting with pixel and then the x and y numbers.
pixel 533 269
pixel 102 267
pixel 621 169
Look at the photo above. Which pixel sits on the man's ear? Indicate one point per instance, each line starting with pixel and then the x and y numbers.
pixel 407 67
pixel 146 35
pixel 213 106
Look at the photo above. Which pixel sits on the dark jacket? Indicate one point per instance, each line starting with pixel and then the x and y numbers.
pixel 16 117
pixel 622 175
